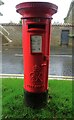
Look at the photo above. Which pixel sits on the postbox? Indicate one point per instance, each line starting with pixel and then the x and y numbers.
pixel 36 29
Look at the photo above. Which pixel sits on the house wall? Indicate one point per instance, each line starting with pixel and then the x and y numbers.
pixel 15 34
pixel 56 34
pixel 70 16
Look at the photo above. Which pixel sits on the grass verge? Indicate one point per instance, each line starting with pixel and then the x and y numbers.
pixel 59 105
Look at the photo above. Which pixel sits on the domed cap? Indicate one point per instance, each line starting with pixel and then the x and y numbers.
pixel 36 9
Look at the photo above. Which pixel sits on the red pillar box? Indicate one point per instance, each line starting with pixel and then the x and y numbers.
pixel 36 26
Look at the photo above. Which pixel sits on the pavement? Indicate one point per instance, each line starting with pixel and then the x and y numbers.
pixel 52 77
pixel 60 63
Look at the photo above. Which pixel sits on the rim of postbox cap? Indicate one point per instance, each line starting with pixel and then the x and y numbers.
pixel 36 9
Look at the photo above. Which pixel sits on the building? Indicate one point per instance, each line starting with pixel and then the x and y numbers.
pixel 1 3
pixel 69 19
pixel 60 34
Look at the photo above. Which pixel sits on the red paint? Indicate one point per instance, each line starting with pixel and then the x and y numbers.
pixel 36 22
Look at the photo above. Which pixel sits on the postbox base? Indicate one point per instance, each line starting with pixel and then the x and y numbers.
pixel 35 100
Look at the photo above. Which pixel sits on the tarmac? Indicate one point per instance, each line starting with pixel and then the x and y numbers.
pixel 60 66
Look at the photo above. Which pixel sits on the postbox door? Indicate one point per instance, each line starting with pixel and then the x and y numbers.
pixel 35 42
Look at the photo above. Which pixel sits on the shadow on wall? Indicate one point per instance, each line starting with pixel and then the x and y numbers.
pixel 5 36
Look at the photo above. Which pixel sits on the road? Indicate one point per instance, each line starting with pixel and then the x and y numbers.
pixel 12 63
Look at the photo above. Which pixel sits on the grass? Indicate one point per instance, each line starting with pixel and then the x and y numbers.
pixel 59 105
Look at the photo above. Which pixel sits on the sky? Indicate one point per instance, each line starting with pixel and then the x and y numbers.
pixel 10 15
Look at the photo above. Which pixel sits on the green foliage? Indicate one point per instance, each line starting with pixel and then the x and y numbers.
pixel 59 101
pixel 20 22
